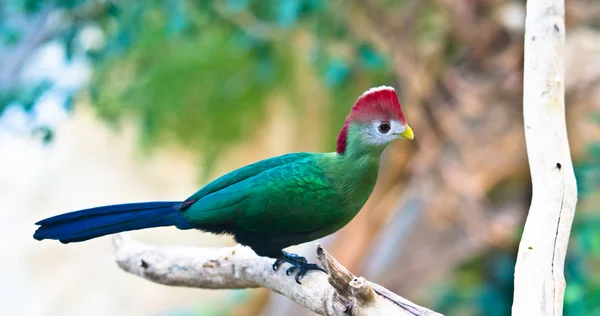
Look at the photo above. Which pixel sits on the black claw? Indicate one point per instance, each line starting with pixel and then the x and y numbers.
pixel 290 270
pixel 321 269
pixel 277 264
pixel 305 268
pixel 298 263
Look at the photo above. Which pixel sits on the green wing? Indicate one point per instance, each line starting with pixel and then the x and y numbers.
pixel 292 199
pixel 289 195
pixel 246 172
pixel 217 202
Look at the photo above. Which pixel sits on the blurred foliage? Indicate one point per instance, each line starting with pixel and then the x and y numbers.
pixel 583 260
pixel 484 285
pixel 199 72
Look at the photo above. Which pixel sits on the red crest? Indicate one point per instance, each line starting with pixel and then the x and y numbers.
pixel 380 103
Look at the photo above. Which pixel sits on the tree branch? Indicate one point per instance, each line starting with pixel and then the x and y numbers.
pixel 539 279
pixel 339 293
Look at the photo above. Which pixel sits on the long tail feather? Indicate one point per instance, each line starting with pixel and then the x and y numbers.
pixel 99 221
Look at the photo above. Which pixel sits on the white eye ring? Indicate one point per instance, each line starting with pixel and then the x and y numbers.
pixel 384 127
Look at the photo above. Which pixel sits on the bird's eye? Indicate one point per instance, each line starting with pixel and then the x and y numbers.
pixel 384 127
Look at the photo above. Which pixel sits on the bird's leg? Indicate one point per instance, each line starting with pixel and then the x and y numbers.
pixel 293 256
pixel 298 263
pixel 289 257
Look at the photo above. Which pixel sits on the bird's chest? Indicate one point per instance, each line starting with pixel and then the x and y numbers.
pixel 353 192
pixel 356 187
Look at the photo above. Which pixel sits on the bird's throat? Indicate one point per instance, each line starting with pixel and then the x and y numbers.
pixel 354 172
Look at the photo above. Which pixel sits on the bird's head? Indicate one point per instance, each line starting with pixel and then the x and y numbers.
pixel 375 120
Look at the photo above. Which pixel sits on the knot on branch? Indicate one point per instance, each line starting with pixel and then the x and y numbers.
pixel 351 291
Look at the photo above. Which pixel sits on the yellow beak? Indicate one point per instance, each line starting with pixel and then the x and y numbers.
pixel 408 133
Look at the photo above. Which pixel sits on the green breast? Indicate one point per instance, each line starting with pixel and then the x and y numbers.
pixel 353 180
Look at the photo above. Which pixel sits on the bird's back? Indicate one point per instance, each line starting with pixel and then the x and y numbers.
pixel 297 199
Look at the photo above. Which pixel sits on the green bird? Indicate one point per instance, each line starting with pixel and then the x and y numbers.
pixel 271 204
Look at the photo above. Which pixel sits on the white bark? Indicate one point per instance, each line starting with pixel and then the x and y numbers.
pixel 339 293
pixel 539 279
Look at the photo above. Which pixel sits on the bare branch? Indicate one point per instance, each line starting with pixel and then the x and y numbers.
pixel 539 279
pixel 339 293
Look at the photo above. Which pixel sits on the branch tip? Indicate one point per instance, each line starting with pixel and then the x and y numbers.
pixel 363 292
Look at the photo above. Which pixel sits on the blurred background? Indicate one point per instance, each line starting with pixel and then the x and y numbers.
pixel 106 102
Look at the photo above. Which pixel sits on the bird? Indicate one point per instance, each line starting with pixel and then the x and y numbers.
pixel 271 204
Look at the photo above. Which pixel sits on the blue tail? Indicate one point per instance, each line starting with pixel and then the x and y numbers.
pixel 99 221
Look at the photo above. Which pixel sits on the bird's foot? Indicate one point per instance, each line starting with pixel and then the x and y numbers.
pixel 302 269
pixel 291 258
pixel 298 263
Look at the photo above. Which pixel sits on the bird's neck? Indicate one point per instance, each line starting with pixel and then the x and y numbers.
pixel 358 151
pixel 357 167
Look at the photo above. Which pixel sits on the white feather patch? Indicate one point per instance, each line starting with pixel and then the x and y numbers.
pixel 376 89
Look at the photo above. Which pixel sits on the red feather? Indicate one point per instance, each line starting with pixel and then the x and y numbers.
pixel 342 138
pixel 379 103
